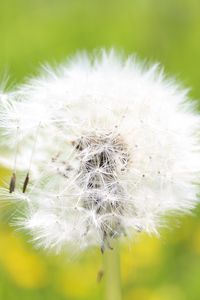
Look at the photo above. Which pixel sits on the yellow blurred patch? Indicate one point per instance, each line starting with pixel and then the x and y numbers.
pixel 23 265
pixel 140 294
pixel 78 280
pixel 144 253
pixel 168 292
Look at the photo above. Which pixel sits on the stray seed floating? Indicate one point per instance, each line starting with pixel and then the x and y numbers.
pixel 12 183
pixel 26 181
pixel 100 275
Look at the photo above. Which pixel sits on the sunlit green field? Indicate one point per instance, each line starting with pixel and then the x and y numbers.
pixel 33 32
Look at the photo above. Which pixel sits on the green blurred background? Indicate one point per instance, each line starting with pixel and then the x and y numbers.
pixel 37 31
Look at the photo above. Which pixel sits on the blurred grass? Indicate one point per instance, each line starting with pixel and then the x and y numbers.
pixel 36 31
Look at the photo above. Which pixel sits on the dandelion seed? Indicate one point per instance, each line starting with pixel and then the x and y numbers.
pixel 100 276
pixel 117 150
pixel 26 181
pixel 12 183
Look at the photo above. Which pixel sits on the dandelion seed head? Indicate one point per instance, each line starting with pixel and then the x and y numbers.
pixel 110 145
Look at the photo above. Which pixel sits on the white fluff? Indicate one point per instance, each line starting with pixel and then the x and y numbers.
pixel 111 146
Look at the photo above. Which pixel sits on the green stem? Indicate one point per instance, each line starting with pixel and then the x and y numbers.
pixel 112 281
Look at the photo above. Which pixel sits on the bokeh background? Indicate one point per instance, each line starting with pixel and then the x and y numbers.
pixel 36 31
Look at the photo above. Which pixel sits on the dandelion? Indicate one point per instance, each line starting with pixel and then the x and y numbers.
pixel 101 147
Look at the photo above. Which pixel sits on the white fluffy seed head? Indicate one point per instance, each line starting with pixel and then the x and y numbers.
pixel 110 146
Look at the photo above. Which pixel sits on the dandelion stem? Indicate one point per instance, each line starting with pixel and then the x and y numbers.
pixel 112 282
